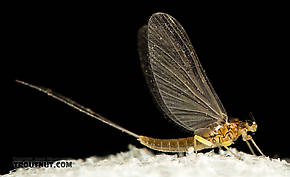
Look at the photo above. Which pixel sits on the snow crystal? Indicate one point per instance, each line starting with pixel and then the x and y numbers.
pixel 142 163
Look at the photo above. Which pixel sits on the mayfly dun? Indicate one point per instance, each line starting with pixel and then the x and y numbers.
pixel 182 90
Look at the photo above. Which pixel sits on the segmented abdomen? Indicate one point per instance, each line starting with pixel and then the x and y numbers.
pixel 167 145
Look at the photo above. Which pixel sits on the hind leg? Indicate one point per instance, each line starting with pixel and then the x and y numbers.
pixel 201 140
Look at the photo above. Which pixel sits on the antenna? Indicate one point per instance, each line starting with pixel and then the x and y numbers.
pixel 252 117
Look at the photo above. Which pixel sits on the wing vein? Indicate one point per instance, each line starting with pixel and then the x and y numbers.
pixel 194 60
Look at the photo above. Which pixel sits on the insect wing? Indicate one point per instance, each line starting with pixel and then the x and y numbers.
pixel 175 76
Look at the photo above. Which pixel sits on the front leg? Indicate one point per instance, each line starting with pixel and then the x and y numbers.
pixel 247 137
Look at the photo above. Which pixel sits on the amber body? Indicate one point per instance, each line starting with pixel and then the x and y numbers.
pixel 220 135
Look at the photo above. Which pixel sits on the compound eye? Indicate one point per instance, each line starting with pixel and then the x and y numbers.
pixel 250 123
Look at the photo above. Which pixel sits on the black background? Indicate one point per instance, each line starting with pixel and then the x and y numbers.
pixel 88 52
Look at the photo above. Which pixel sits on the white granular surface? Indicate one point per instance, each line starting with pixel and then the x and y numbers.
pixel 142 163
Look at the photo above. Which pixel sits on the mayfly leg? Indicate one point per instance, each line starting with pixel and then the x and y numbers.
pixel 234 154
pixel 208 143
pixel 78 107
pixel 257 147
pixel 201 140
pixel 250 147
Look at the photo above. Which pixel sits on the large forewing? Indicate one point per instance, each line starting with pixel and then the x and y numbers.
pixel 155 91
pixel 147 71
pixel 184 90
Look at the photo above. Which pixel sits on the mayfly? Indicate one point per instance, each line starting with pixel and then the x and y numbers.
pixel 182 90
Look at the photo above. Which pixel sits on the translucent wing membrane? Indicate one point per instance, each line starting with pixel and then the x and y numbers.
pixel 175 76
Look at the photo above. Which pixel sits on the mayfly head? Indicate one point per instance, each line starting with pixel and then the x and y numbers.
pixel 251 126
pixel 248 125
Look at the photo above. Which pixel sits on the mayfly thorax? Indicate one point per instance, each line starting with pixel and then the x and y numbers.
pixel 182 90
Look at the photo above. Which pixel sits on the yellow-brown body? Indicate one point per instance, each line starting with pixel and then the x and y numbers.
pixel 219 136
